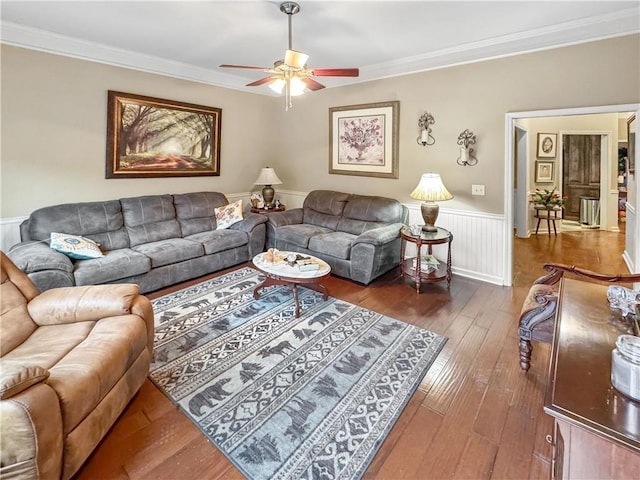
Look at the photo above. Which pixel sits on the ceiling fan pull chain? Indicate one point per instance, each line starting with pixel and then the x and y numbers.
pixel 290 36
pixel 287 94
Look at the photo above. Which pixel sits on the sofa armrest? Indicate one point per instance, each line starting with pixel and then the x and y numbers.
pixel 16 377
pixel 32 434
pixel 380 235
pixel 81 304
pixel 37 256
pixel 288 217
pixel 142 307
pixel 249 222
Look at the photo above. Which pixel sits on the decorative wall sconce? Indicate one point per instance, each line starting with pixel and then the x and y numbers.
pixel 465 139
pixel 425 122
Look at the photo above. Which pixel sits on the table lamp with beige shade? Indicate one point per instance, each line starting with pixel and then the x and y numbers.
pixel 267 178
pixel 431 190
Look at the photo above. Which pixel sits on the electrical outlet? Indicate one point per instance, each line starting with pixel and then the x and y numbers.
pixel 477 189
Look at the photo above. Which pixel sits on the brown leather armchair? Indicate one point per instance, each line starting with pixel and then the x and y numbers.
pixel 71 359
pixel 537 317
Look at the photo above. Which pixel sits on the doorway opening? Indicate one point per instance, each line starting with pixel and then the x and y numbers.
pixel 519 174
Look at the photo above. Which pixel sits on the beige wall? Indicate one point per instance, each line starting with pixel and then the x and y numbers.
pixel 474 96
pixel 54 117
pixel 54 131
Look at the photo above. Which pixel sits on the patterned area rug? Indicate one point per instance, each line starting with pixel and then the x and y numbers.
pixel 287 398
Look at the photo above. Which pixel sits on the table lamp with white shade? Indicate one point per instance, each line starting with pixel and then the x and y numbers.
pixel 430 189
pixel 267 178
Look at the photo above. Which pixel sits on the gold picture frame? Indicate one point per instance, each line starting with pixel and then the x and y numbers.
pixel 151 137
pixel 363 139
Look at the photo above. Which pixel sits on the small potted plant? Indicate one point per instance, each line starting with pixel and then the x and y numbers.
pixel 547 199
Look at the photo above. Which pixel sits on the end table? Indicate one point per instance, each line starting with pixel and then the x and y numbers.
pixel 412 266
pixel 281 208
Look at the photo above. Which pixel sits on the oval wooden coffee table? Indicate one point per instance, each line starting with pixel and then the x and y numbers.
pixel 281 273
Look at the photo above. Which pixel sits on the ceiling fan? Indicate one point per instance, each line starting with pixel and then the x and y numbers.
pixel 292 74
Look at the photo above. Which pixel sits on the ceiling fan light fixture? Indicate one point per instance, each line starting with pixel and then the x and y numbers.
pixel 291 74
pixel 296 86
pixel 277 85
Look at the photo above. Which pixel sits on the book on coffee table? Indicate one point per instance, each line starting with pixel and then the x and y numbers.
pixel 307 265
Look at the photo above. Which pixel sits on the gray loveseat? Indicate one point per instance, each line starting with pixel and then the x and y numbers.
pixel 358 235
pixel 154 241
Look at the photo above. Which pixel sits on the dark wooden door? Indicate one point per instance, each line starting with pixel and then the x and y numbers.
pixel 581 171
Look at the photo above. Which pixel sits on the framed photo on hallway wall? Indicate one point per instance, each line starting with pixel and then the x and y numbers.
pixel 547 145
pixel 544 172
pixel 363 139
pixel 152 137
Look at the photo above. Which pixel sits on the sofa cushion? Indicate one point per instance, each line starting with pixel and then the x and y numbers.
pixel 171 250
pixel 324 208
pixel 335 244
pixel 300 234
pixel 84 359
pixel 219 240
pixel 75 246
pixel 364 213
pixel 196 211
pixel 150 218
pixel 100 221
pixel 115 264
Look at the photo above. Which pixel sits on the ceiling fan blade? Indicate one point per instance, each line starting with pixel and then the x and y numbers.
pixel 295 59
pixel 312 84
pixel 336 72
pixel 264 69
pixel 262 81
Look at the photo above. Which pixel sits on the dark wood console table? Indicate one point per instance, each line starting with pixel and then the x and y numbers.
pixel 597 429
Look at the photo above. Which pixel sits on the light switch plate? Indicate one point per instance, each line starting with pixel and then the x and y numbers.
pixel 477 189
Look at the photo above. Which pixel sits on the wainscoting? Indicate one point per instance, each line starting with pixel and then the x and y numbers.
pixel 477 250
pixel 10 232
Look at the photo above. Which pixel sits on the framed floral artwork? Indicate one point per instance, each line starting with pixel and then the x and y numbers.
pixel 547 145
pixel 363 139
pixel 152 137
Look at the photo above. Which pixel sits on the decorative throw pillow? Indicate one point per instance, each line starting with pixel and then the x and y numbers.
pixel 75 246
pixel 227 215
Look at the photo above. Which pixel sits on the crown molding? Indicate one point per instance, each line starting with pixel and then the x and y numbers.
pixel 585 30
pixel 43 41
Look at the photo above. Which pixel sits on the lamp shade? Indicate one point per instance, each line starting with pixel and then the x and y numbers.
pixel 267 177
pixel 431 189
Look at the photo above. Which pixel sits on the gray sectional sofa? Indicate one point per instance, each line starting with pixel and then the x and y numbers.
pixel 358 235
pixel 153 241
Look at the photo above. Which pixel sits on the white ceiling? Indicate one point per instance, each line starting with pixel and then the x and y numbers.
pixel 189 39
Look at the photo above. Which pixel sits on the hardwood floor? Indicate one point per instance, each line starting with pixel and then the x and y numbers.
pixel 475 415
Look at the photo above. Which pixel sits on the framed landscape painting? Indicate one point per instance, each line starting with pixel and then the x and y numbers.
pixel 152 137
pixel 363 139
